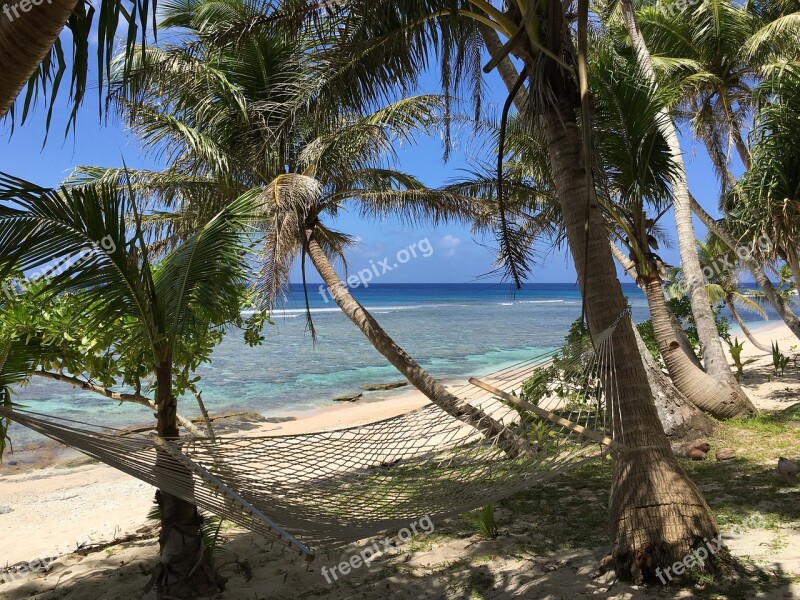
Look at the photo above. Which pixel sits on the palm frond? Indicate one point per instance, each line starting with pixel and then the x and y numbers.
pixel 748 304
pixel 135 19
pixel 204 278
pixel 78 240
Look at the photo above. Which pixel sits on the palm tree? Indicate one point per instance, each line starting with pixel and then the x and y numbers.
pixel 714 53
pixel 766 202
pixel 713 354
pixel 32 52
pixel 655 510
pixel 753 262
pixel 239 111
pixel 704 50
pixel 636 168
pixel 154 307
pixel 25 41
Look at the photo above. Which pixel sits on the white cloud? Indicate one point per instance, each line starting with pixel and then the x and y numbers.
pixel 449 244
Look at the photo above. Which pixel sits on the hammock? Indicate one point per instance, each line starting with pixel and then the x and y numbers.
pixel 334 487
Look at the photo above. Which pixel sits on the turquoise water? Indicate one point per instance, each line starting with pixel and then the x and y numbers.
pixel 451 329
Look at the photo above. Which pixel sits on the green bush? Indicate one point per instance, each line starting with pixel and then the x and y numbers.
pixel 682 309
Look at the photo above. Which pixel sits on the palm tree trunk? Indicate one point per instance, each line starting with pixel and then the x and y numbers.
pixel 713 353
pixel 738 318
pixel 512 444
pixel 741 147
pixel 679 417
pixel 657 514
pixel 756 268
pixel 678 332
pixel 683 340
pixel 185 569
pixel 25 39
pixel 705 392
pixel 508 73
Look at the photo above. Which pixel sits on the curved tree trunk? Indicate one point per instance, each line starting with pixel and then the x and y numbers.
pixel 678 332
pixel 714 357
pixel 683 340
pixel 760 276
pixel 680 419
pixel 185 569
pixel 25 39
pixel 705 392
pixel 738 318
pixel 741 146
pixel 511 443
pixel 658 515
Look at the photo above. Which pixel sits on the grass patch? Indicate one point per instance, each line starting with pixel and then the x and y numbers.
pixel 568 512
pixel 762 422
pixel 745 493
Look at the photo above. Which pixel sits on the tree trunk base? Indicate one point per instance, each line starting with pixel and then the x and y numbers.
pixel 185 570
pixel 662 520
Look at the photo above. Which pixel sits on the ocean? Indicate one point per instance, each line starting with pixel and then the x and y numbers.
pixel 452 330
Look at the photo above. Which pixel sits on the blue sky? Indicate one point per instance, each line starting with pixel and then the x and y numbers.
pixel 457 255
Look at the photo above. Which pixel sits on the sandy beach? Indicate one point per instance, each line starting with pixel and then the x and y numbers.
pixel 69 514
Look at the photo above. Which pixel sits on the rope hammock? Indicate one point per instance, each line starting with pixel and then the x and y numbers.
pixel 333 487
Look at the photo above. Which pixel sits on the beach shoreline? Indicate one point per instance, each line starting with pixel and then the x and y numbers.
pixel 91 502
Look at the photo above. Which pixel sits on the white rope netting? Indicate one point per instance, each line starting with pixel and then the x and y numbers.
pixel 334 487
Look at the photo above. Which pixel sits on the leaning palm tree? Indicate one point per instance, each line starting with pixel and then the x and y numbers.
pixel 636 168
pixel 656 512
pixel 231 123
pixel 714 358
pixel 714 53
pixel 155 308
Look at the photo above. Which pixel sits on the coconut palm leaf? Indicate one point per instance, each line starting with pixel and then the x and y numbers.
pixel 748 304
pixel 79 240
pixel 135 19
pixel 205 276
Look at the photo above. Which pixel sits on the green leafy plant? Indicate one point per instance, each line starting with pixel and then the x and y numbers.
pixel 779 360
pixel 648 336
pixel 537 385
pixel 483 519
pixel 735 348
pixel 792 413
